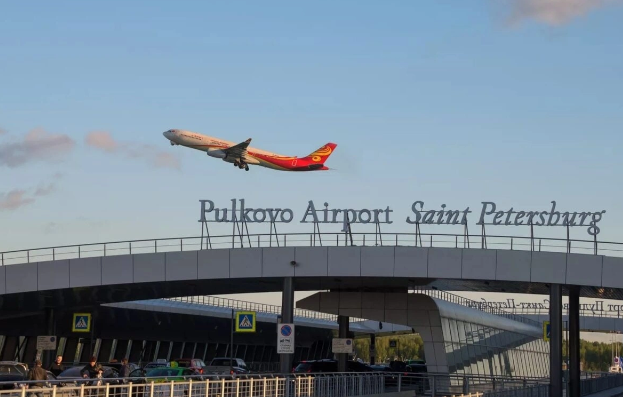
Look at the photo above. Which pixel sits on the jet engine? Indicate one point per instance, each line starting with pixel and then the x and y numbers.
pixel 218 153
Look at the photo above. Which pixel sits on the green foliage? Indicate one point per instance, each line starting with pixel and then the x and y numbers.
pixel 408 347
pixel 595 356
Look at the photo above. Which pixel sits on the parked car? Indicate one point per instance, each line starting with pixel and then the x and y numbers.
pixel 227 366
pixel 194 364
pixel 12 371
pixel 330 365
pixel 117 366
pixel 72 377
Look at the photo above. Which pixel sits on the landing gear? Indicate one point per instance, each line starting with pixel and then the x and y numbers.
pixel 241 165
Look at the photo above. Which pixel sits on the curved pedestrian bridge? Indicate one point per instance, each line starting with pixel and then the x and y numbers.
pixel 146 269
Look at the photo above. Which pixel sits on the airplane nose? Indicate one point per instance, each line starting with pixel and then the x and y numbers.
pixel 167 134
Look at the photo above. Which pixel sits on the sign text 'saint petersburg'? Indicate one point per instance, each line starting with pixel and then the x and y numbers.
pixel 489 215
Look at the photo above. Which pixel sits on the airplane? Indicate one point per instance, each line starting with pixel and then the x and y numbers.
pixel 242 155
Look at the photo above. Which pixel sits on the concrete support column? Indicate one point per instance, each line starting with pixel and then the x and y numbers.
pixel 343 333
pixel 574 341
pixel 555 341
pixel 287 317
pixel 372 349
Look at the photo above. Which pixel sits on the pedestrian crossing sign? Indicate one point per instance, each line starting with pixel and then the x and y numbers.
pixel 245 321
pixel 82 322
pixel 547 329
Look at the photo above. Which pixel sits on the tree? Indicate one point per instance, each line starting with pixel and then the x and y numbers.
pixel 595 356
pixel 408 347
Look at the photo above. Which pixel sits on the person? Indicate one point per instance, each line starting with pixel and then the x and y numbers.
pixel 57 366
pixel 124 371
pixel 37 373
pixel 92 370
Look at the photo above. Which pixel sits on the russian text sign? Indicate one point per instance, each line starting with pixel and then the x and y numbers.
pixel 46 342
pixel 342 345
pixel 285 338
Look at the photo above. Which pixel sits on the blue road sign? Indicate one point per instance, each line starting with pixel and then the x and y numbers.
pixel 547 330
pixel 286 330
pixel 82 322
pixel 245 321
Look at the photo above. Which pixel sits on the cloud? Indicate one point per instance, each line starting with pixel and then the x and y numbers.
pixel 102 140
pixel 553 12
pixel 37 145
pixel 2 131
pixel 45 190
pixel 20 197
pixel 14 199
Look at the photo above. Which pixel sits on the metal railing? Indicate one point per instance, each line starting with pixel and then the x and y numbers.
pixel 529 391
pixel 453 298
pixel 257 307
pixel 286 385
pixel 597 384
pixel 302 385
pixel 177 244
pixel 342 385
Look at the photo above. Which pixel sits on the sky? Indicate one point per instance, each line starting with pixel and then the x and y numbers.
pixel 512 101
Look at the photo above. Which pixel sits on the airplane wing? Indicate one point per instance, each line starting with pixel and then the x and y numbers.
pixel 239 150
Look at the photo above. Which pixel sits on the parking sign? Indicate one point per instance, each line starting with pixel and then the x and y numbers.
pixel 285 338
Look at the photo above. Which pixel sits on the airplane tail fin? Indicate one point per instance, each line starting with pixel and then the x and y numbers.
pixel 321 155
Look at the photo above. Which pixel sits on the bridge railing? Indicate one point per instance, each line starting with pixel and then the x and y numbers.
pixel 345 385
pixel 286 385
pixel 257 307
pixel 601 383
pixel 450 297
pixel 310 239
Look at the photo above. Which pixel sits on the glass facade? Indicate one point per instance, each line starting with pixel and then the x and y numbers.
pixel 474 349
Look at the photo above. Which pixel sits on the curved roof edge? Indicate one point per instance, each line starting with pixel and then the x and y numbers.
pixel 464 313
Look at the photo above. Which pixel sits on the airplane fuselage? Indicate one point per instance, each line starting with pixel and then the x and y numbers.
pixel 223 149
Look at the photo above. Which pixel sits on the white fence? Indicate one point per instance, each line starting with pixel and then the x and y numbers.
pixel 300 386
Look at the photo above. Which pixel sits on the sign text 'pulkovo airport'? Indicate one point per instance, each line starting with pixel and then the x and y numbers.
pixel 489 214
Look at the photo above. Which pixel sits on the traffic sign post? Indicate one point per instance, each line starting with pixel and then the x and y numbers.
pixel 285 338
pixel 546 331
pixel 81 322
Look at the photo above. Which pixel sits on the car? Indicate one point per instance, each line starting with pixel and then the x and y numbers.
pixel 117 366
pixel 195 364
pixel 227 366
pixel 12 371
pixel 73 377
pixel 330 365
